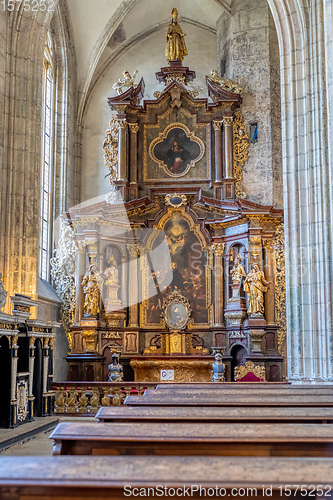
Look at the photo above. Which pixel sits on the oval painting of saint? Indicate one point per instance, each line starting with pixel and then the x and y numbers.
pixel 176 150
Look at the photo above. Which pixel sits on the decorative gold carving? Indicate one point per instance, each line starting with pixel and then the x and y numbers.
pixel 280 288
pixel 184 371
pixel 169 197
pixel 110 148
pixel 111 335
pixel 240 151
pixel 163 135
pixel 175 49
pixel 228 121
pixel 133 251
pixel 63 274
pixel 51 342
pixel 22 400
pixel 6 326
pixel 32 341
pixel 225 83
pixel 250 367
pixel 134 128
pixel 217 125
pixel 126 82
pixel 122 124
pixel 90 338
pixel 14 340
pixel 268 244
pixel 218 249
pixel 22 309
pixel 157 94
pixel 193 93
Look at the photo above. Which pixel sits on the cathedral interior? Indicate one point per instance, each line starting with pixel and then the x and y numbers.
pixel 165 199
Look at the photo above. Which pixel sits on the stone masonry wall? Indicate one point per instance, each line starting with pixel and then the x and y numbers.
pixel 248 48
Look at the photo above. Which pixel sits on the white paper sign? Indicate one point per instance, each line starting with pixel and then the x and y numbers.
pixel 167 374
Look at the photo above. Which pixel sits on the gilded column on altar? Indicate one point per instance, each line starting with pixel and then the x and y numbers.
pixel 133 290
pixel 122 170
pixel 218 249
pixel 228 152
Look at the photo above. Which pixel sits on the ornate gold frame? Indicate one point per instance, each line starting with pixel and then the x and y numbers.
pixel 163 135
pixel 145 269
pixel 172 299
pixel 158 125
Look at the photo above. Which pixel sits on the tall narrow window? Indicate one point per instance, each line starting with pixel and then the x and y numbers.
pixel 47 163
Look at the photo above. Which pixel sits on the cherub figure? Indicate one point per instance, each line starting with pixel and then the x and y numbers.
pixel 127 82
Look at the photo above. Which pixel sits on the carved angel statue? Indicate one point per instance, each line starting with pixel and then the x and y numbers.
pixel 3 293
pixel 225 83
pixel 127 82
pixel 238 270
pixel 92 283
pixel 175 49
pixel 255 285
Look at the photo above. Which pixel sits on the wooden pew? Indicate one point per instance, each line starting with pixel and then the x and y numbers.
pixel 185 439
pixel 214 415
pixel 201 400
pixel 91 478
pixel 248 391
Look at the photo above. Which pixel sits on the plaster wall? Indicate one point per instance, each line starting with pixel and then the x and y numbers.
pixel 201 46
pixel 248 50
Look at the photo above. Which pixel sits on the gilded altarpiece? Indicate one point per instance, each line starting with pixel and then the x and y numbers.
pixel 177 250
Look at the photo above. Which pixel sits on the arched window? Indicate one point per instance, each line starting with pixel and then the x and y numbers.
pixel 47 159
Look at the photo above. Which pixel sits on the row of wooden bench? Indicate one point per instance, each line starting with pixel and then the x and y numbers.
pixel 235 427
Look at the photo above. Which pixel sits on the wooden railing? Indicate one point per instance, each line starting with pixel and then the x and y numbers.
pixel 85 398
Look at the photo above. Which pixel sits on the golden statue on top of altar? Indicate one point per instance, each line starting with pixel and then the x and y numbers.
pixel 175 49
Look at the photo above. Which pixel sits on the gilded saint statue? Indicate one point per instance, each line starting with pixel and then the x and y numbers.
pixel 3 293
pixel 238 270
pixel 175 49
pixel 92 283
pixel 255 285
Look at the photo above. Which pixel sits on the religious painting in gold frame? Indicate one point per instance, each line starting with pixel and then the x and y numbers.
pixel 176 150
pixel 196 135
pixel 190 273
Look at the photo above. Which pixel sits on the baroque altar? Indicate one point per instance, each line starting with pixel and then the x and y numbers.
pixel 175 259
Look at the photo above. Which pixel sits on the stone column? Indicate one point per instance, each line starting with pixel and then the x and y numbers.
pixel 218 249
pixel 133 291
pixel 13 400
pixel 269 275
pixel 218 151
pixel 45 376
pixel 133 170
pixel 122 170
pixel 228 156
pixel 31 377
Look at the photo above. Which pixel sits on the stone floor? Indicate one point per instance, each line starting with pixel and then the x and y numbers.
pixel 32 439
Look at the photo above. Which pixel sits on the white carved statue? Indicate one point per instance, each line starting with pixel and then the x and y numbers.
pixel 3 293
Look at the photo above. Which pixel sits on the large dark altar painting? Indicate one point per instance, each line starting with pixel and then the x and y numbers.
pixel 187 272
